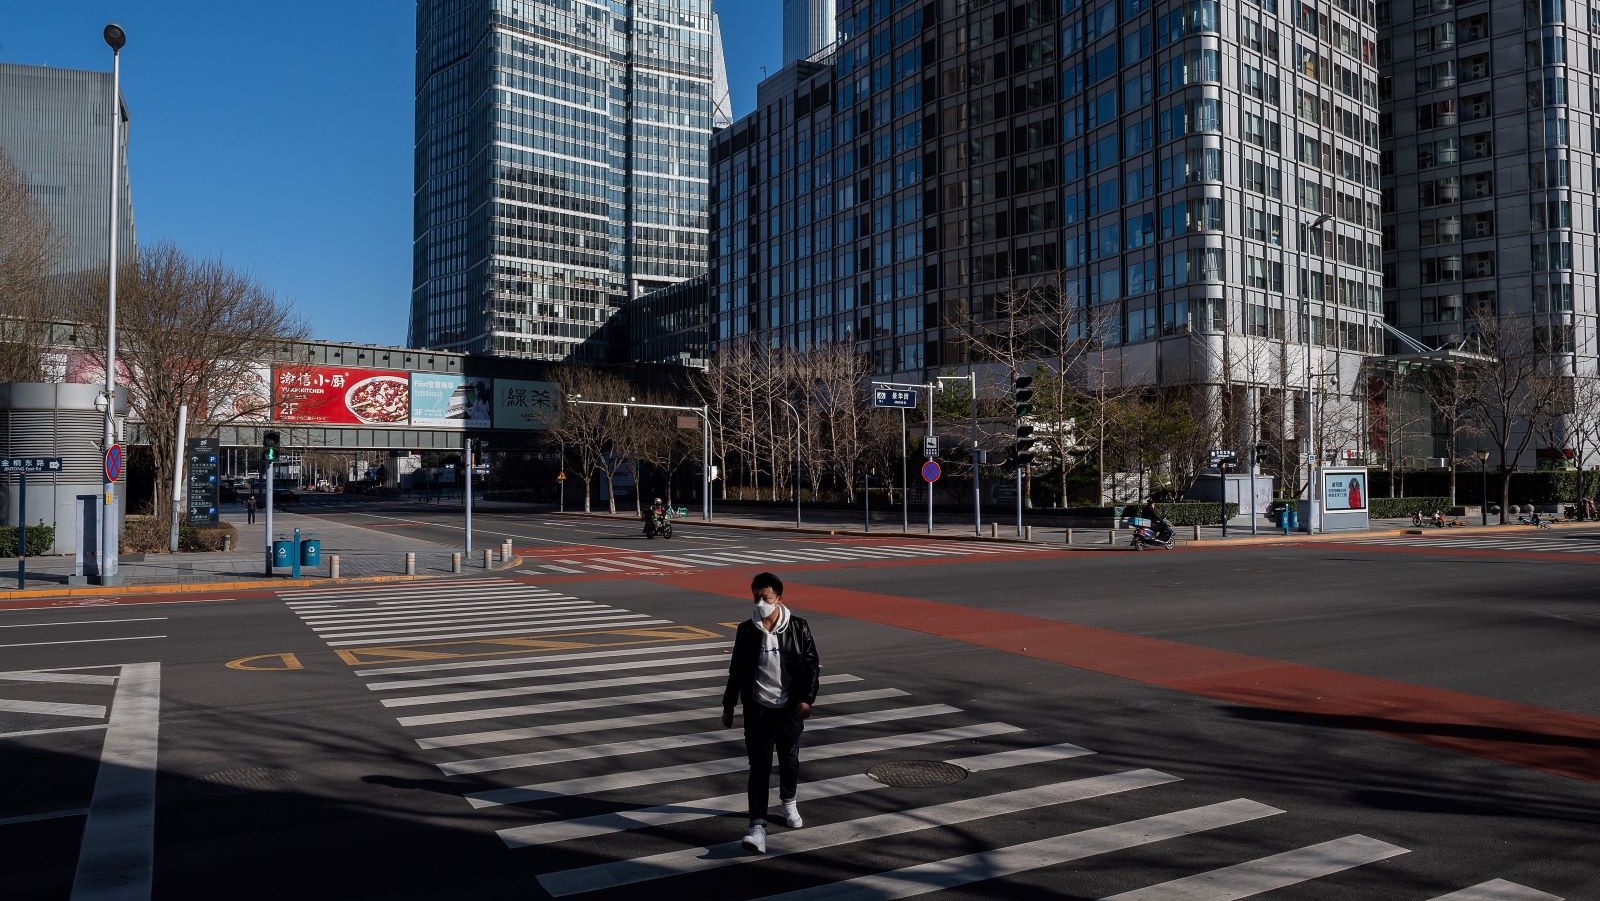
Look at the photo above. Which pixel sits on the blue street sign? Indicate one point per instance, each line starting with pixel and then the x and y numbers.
pixel 894 397
pixel 31 465
pixel 113 463
pixel 930 471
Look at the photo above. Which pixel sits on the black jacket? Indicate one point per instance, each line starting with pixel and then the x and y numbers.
pixel 797 655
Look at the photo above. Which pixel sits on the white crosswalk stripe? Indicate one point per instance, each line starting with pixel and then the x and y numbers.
pixel 652 700
pixel 1487 543
pixel 800 552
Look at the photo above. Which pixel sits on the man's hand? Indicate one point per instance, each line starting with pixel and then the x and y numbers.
pixel 804 708
pixel 727 718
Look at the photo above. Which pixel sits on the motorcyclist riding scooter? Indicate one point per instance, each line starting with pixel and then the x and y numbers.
pixel 1151 529
pixel 656 521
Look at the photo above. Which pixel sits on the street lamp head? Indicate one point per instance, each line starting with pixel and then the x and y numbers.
pixel 1483 456
pixel 1321 220
pixel 115 37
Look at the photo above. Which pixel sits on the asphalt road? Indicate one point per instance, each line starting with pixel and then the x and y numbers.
pixel 1327 721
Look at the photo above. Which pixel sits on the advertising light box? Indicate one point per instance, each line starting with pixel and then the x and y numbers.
pixel 524 405
pixel 340 395
pixel 451 401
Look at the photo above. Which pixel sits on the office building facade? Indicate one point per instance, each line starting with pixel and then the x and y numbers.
pixel 809 27
pixel 560 167
pixel 1489 173
pixel 1200 179
pixel 55 125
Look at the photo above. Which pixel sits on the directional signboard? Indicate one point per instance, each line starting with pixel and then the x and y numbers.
pixel 30 465
pixel 903 398
pixel 202 503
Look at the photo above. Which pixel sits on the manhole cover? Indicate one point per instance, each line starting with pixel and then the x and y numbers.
pixel 917 773
pixel 243 781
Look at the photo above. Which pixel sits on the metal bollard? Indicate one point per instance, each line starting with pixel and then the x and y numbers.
pixel 411 563
pixel 994 530
pixel 1028 533
pixel 1197 533
pixel 488 558
pixel 455 563
pixel 227 543
pixel 1111 536
pixel 506 550
pixel 333 566
pixel 1069 536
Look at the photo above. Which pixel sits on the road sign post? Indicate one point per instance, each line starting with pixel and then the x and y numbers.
pixel 1222 460
pixel 21 466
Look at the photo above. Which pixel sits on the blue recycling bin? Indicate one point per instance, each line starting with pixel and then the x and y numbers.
pixel 282 552
pixel 1288 518
pixel 311 552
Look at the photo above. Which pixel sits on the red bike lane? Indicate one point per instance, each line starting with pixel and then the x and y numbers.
pixel 1553 741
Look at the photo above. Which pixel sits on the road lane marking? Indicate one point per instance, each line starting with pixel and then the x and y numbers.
pixel 430 618
pixel 624 722
pixel 1265 874
pixel 115 859
pixel 735 804
pixel 27 732
pixel 543 629
pixel 657 636
pixel 51 708
pixel 41 644
pixel 40 817
pixel 984 865
pixel 492 713
pixel 548 671
pixel 673 742
pixel 287 662
pixel 403 630
pixel 885 825
pixel 518 661
pixel 57 676
pixel 458 696
pixel 590 785
pixel 1497 890
pixel 86 622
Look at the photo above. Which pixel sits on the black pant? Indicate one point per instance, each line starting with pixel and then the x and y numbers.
pixel 764 728
pixel 249 515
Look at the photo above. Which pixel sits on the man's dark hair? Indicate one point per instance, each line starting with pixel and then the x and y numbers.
pixel 766 580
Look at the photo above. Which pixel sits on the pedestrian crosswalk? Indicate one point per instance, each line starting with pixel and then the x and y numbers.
pixel 1545 544
pixel 667 561
pixel 604 769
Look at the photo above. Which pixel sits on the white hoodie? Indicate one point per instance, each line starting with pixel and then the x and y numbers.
pixel 769 670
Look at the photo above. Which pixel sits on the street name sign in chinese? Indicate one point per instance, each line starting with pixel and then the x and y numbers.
pixel 903 398
pixel 30 465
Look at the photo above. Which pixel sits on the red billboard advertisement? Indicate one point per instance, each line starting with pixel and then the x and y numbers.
pixel 340 395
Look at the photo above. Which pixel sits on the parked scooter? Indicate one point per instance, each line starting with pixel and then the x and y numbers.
pixel 1151 534
pixel 656 523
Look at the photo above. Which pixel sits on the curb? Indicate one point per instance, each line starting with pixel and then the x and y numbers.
pixel 262 584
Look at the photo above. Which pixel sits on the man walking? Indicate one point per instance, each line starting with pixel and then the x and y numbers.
pixel 774 673
pixel 250 508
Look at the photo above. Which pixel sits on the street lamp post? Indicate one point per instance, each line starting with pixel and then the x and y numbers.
pixel 796 458
pixel 704 412
pixel 115 39
pixel 1313 508
pixel 1483 487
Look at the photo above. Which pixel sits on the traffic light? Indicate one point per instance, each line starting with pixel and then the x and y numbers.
pixel 1022 395
pixel 1022 453
pixel 269 447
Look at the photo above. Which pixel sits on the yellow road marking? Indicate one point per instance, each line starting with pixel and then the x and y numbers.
pixel 494 647
pixel 286 662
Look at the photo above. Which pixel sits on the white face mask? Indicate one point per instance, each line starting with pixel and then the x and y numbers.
pixel 763 610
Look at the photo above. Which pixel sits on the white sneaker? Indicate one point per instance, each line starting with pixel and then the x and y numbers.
pixel 755 841
pixel 791 814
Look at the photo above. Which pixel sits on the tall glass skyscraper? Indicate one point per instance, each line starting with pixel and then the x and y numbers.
pixel 55 125
pixel 561 167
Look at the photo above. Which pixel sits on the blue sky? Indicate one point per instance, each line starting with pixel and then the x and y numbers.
pixel 277 136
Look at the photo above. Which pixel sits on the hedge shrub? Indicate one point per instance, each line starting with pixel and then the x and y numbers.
pixel 1190 513
pixel 40 539
pixel 1401 507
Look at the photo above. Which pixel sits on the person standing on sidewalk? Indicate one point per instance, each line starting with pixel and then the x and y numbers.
pixel 775 674
pixel 250 508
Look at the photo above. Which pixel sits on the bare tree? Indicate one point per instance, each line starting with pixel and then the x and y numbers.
pixel 1511 393
pixel 29 246
pixel 189 330
pixel 589 431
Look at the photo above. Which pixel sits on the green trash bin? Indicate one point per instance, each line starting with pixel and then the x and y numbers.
pixel 311 552
pixel 282 552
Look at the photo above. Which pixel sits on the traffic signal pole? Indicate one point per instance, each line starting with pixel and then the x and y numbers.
pixel 269 456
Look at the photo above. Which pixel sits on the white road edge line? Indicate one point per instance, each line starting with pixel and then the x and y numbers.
pixel 117 855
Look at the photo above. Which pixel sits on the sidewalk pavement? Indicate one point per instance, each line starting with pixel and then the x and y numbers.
pixel 364 555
